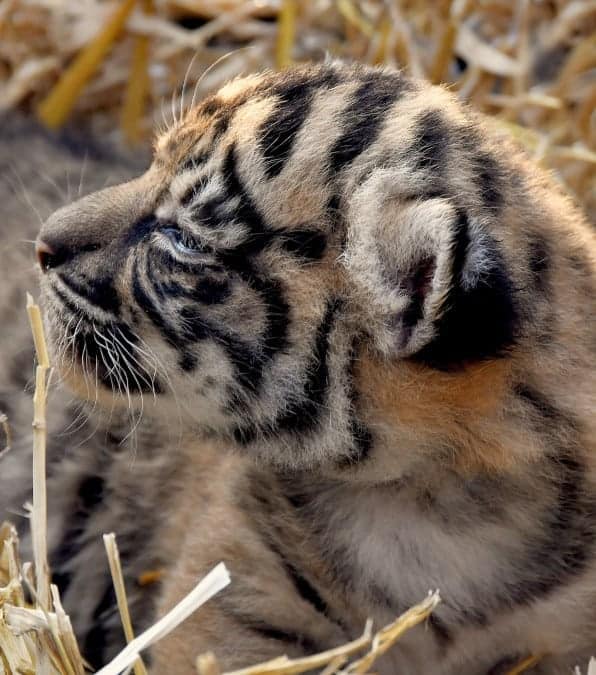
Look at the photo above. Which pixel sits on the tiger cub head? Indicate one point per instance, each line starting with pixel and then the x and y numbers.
pixel 326 266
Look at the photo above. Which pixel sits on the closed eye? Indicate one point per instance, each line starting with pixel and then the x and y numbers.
pixel 182 241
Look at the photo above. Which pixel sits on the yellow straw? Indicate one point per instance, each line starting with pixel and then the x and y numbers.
pixel 55 108
pixel 286 33
pixel 353 16
pixel 109 541
pixel 39 513
pixel 137 87
pixel 444 53
pixel 524 665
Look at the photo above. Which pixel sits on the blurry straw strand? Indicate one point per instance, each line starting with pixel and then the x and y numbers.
pixel 39 513
pixel 137 88
pixel 7 434
pixel 524 665
pixel 286 33
pixel 113 554
pixel 54 109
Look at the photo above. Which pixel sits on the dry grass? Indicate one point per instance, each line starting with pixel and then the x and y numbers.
pixel 531 65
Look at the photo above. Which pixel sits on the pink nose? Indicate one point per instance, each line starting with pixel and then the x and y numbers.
pixel 45 255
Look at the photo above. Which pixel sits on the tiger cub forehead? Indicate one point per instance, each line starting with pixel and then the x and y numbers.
pixel 306 139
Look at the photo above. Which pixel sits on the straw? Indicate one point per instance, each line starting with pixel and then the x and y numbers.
pixel 214 582
pixel 137 88
pixel 39 513
pixel 109 541
pixel 54 110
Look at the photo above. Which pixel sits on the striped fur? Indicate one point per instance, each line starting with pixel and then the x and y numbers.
pixel 385 312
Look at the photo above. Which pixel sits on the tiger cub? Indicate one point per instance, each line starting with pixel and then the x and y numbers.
pixel 371 319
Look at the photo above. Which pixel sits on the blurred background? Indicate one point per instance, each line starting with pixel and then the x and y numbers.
pixel 119 68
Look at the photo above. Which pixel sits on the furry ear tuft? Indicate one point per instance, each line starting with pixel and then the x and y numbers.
pixel 433 287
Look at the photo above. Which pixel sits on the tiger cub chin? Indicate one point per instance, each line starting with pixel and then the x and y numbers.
pixel 372 320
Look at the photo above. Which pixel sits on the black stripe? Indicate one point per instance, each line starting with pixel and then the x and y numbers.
pixel 301 584
pixel 246 212
pixel 99 292
pixel 194 162
pixel 187 360
pixel 192 191
pixel 305 415
pixel 89 497
pixel 432 138
pixel 275 337
pixel 473 616
pixel 208 214
pixel 417 284
pixel 141 229
pixel 333 209
pixel 249 364
pixel 478 322
pixel 363 118
pixel 362 439
pixel 210 291
pixel 266 630
pixel 278 133
pixel 222 111
pixel 546 412
pixel 540 260
pixel 97 641
pixel 74 309
pixel 440 630
pixel 564 547
pixel 265 502
pixel 193 326
pixel 145 302
pixel 211 105
pixel 307 244
pixel 109 371
pixel 489 177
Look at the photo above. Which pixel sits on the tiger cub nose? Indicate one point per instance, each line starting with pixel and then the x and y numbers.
pixel 51 256
pixel 45 254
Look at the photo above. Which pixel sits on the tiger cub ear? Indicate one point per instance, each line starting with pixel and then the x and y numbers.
pixel 434 286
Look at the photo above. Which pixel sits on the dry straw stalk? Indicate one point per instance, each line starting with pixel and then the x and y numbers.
pixel 39 515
